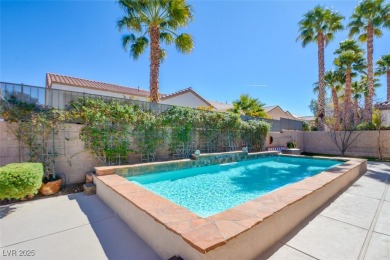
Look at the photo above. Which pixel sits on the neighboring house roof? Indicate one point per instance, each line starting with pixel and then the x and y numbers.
pixel 85 83
pixel 277 112
pixel 383 105
pixel 184 91
pixel 52 78
pixel 221 107
pixel 307 118
pixel 269 108
pixel 289 115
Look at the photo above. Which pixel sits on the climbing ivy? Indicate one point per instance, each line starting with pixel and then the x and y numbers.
pixel 182 123
pixel 107 128
pixel 149 134
pixel 253 134
pixel 113 131
pixel 35 127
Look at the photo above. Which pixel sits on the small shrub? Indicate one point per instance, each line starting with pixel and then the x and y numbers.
pixel 17 180
pixel 366 126
pixel 305 126
pixel 292 145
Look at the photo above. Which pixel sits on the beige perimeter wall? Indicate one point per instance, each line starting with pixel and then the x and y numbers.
pixel 365 145
pixel 74 162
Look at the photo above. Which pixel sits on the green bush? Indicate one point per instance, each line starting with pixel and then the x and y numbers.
pixel 365 126
pixel 292 145
pixel 305 126
pixel 17 180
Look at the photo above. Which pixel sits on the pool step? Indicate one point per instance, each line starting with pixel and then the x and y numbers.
pixel 89 189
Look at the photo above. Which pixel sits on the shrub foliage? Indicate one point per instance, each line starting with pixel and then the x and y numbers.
pixel 17 180
pixel 114 130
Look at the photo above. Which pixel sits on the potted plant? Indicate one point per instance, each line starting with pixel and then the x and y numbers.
pixel 51 182
pixel 292 145
pixel 292 148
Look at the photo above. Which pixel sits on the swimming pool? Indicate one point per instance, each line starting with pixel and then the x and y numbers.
pixel 212 189
pixel 242 232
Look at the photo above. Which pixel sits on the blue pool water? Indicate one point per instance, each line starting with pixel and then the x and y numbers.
pixel 212 189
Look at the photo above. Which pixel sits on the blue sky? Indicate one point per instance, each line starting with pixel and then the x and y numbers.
pixel 240 47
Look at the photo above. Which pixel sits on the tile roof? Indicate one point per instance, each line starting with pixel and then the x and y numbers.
pixel 183 91
pixel 222 107
pixel 383 105
pixel 307 118
pixel 268 108
pixel 289 114
pixel 85 83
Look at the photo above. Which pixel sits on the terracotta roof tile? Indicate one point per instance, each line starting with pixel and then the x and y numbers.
pixel 66 80
pixel 383 105
pixel 222 107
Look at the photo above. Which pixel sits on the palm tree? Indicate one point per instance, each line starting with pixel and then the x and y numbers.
pixel 359 88
pixel 159 20
pixel 334 81
pixel 319 26
pixel 358 91
pixel 366 21
pixel 383 67
pixel 350 59
pixel 249 106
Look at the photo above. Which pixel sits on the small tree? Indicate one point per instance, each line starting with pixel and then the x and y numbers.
pixel 377 120
pixel 343 139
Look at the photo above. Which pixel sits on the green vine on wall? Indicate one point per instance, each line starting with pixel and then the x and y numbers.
pixel 107 128
pixel 253 134
pixel 35 128
pixel 149 134
pixel 113 131
pixel 183 123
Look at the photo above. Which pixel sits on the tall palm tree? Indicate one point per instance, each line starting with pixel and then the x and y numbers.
pixel 366 21
pixel 158 19
pixel 358 91
pixel 383 67
pixel 350 59
pixel 319 26
pixel 334 81
pixel 249 106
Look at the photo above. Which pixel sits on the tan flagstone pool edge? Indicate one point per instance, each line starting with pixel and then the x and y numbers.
pixel 218 235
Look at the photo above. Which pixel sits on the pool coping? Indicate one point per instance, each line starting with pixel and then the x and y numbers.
pixel 208 234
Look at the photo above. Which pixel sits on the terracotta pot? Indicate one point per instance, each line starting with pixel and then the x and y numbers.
pixel 50 187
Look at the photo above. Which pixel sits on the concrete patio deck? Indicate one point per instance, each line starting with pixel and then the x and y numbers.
pixel 356 225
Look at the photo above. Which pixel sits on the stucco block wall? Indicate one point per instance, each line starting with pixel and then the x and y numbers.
pixel 9 146
pixel 282 138
pixel 365 145
pixel 72 160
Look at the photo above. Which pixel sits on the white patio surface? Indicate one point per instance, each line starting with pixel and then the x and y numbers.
pixel 356 225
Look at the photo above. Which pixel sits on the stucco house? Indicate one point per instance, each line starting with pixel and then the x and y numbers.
pixel 385 108
pixel 310 120
pixel 66 88
pixel 276 112
pixel 70 87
